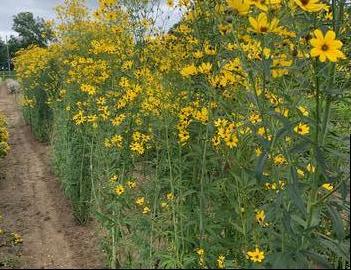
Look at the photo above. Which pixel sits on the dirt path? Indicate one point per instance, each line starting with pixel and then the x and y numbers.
pixel 33 205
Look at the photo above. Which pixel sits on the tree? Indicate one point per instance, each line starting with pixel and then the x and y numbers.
pixel 3 58
pixel 32 30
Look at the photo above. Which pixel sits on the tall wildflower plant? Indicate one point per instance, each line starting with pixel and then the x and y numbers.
pixel 4 137
pixel 217 144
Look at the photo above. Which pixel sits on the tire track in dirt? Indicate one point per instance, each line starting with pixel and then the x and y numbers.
pixel 34 205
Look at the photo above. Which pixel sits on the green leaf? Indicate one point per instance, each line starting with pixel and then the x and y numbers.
pixel 317 258
pixel 315 217
pixel 299 220
pixel 337 223
pixel 339 249
pixel 260 165
pixel 295 194
pixel 281 260
pixel 238 228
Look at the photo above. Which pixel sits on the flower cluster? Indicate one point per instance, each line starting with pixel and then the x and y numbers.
pixel 4 137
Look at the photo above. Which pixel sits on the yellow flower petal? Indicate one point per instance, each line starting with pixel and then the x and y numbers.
pixel 330 36
pixel 318 33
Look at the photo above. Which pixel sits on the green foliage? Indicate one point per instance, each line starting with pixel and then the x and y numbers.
pixel 32 31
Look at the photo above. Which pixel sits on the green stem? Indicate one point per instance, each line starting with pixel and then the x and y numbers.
pixel 113 259
pixel 93 193
pixel 172 189
pixel 203 171
pixel 317 101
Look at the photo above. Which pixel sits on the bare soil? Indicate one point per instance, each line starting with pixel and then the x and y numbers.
pixel 32 204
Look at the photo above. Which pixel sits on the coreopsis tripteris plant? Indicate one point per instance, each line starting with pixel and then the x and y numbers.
pixel 256 255
pixel 220 104
pixel 266 4
pixel 326 47
pixel 241 6
pixel 262 25
pixel 310 5
pixel 4 137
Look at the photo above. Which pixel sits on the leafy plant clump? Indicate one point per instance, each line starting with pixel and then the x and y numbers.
pixel 219 143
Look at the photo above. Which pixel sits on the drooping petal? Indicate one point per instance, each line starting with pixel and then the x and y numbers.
pixel 332 56
pixel 340 54
pixel 262 19
pixel 322 57
pixel 319 35
pixel 274 24
pixel 336 44
pixel 253 23
pixel 330 36
pixel 315 52
pixel 315 42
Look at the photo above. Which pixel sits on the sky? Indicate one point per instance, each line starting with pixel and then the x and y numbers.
pixel 45 9
pixel 41 8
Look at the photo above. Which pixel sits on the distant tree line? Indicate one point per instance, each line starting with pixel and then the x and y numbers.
pixel 31 31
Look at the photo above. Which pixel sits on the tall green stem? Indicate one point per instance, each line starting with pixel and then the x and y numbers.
pixel 202 196
pixel 171 180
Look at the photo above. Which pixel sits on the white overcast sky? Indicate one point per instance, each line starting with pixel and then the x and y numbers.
pixel 45 9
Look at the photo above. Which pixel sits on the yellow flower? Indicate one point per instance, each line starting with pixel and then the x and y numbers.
pixel 263 4
pixel 279 64
pixel 164 205
pixel 118 119
pixel 261 24
pixel 221 262
pixel 170 3
pixel 241 6
pixel 209 50
pixel 303 110
pixel 328 186
pixel 266 52
pixel 255 118
pixel 17 239
pixel 91 90
pixel 280 160
pixel 137 147
pixel 170 196
pixel 188 71
pixel 200 251
pixel 131 184
pixel 260 217
pixel 256 255
pixel 283 112
pixel 326 47
pixel 231 141
pixel 329 16
pixel 205 68
pixel 282 184
pixel 225 29
pixel 146 210
pixel 201 115
pixel 114 178
pixel 258 151
pixel 300 172
pixel 302 129
pixel 310 168
pixel 119 190
pixel 310 5
pixel 198 54
pixel 140 201
pixel 261 131
pixel 116 140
